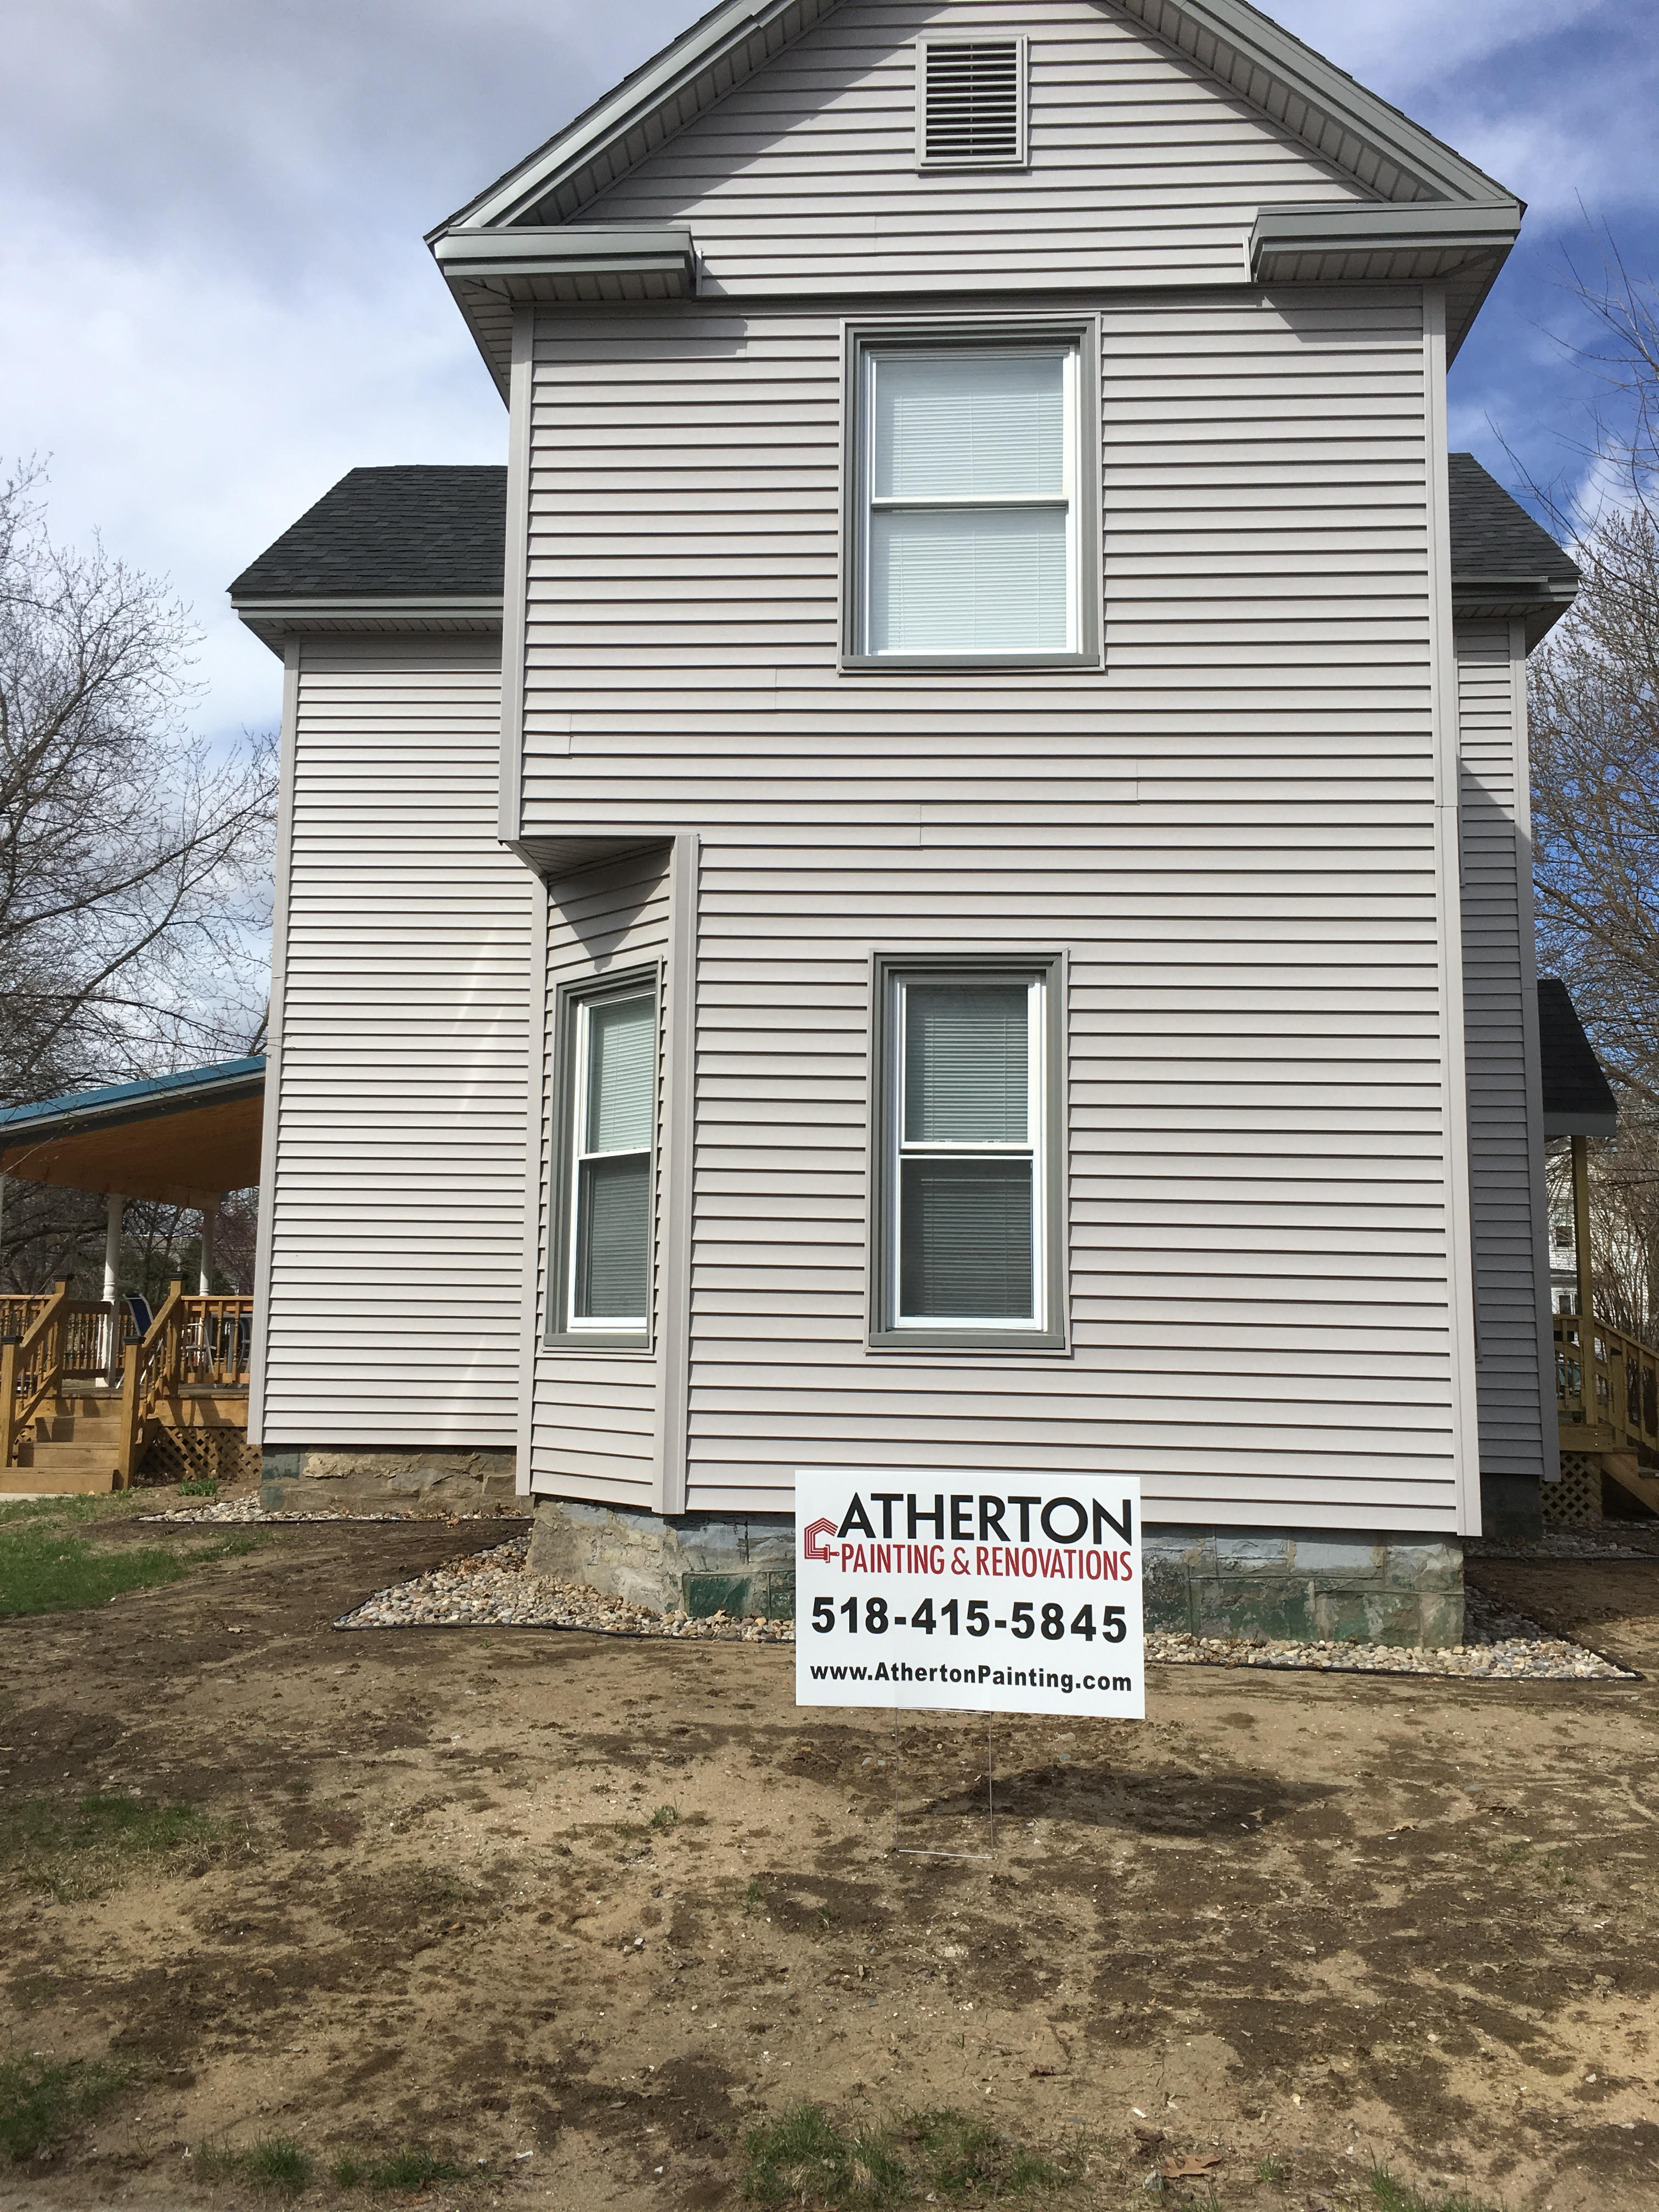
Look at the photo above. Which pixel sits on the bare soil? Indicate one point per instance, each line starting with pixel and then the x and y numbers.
pixel 1322 1922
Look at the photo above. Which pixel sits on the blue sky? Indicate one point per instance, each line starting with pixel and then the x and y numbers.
pixel 218 299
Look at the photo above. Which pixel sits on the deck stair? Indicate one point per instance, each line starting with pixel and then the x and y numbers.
pixel 74 1453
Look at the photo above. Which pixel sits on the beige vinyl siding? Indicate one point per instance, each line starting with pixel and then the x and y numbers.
pixel 1230 832
pixel 1143 170
pixel 1506 1137
pixel 396 1249
pixel 592 1431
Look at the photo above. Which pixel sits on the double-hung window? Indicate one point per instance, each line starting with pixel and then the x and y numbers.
pixel 605 1166
pixel 968 1243
pixel 968 519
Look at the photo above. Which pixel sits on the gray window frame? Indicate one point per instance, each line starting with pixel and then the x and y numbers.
pixel 886 1048
pixel 572 997
pixel 859 339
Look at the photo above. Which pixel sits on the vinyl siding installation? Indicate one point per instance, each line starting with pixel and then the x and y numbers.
pixel 399 1187
pixel 1231 832
pixel 1506 1136
pixel 592 1433
pixel 1143 170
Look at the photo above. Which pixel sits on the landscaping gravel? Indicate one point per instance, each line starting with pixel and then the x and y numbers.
pixel 493 1589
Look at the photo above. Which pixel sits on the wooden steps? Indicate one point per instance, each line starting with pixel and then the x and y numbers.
pixel 70 1455
pixel 1624 1469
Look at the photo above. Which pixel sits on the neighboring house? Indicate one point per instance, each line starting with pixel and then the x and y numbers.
pixel 915 924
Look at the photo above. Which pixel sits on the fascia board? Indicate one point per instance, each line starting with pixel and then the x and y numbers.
pixel 634 103
pixel 1581 1125
pixel 1198 28
pixel 1388 227
pixel 475 256
pixel 274 620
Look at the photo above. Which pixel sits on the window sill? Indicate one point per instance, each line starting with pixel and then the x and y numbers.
pixel 966 664
pixel 634 1341
pixel 998 1343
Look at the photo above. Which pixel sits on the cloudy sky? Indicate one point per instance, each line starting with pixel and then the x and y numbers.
pixel 216 298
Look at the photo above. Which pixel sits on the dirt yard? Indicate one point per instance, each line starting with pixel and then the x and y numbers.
pixel 578 1912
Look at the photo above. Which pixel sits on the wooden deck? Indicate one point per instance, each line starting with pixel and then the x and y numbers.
pixel 69 1423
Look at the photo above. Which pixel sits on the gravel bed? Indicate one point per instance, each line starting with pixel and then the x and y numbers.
pixel 492 1590
pixel 1593 1543
pixel 242 1509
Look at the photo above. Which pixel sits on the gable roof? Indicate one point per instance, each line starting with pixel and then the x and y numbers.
pixel 1504 565
pixel 1578 1100
pixel 1467 222
pixel 413 546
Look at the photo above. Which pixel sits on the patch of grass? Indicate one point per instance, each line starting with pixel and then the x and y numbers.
pixel 412 2167
pixel 205 1487
pixel 665 1816
pixel 45 1568
pixel 76 1850
pixel 1275 2172
pixel 754 1897
pixel 277 2162
pixel 803 2158
pixel 1393 2195
pixel 41 2102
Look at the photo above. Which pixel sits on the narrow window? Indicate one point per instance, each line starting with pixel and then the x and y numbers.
pixel 607 1123
pixel 969 527
pixel 970 103
pixel 969 1190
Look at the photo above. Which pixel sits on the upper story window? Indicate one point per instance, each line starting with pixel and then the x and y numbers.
pixel 970 104
pixel 967 522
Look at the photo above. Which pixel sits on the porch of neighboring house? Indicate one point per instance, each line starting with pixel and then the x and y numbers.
pixel 95 1393
pixel 1607 1382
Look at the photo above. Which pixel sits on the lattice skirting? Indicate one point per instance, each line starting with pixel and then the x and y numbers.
pixel 200 1454
pixel 1577 1495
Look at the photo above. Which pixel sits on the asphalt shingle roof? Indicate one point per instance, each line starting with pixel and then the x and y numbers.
pixel 1575 1091
pixel 1492 535
pixel 382 534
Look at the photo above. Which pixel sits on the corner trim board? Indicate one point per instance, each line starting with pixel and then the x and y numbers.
pixel 670 1474
pixel 265 1223
pixel 520 400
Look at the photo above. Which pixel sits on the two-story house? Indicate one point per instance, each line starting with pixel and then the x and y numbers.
pixel 935 875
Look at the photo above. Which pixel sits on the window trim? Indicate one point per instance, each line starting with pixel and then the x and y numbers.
pixel 560 1333
pixel 1021 44
pixel 889 970
pixel 862 339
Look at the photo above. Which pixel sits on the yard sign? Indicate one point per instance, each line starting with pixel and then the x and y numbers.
pixel 969 1593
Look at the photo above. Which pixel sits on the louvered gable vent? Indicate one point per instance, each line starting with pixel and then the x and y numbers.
pixel 970 103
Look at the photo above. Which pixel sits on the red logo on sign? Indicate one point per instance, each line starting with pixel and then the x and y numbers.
pixel 813 1539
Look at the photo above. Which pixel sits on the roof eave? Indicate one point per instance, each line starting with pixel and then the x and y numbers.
pixel 489 272
pixel 274 617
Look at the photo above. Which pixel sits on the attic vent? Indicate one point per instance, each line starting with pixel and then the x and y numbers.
pixel 970 103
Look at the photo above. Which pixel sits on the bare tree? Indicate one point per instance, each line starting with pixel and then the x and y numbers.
pixel 134 861
pixel 133 856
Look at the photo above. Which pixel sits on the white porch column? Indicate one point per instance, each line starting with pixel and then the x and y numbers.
pixel 118 1207
pixel 209 1224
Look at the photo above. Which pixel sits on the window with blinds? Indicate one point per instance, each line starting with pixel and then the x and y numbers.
pixel 970 104
pixel 611 1118
pixel 969 544
pixel 968 1181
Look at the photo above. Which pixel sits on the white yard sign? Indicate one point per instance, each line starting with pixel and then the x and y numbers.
pixel 972 1592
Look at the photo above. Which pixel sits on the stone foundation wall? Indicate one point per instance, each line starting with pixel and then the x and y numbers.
pixel 1303 1585
pixel 356 1479
pixel 1299 1585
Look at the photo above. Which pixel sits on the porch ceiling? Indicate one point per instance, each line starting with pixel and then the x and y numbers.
pixel 185 1139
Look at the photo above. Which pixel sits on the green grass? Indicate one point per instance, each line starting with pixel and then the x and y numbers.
pixel 1275 2172
pixel 205 1486
pixel 803 2158
pixel 413 2167
pixel 41 2102
pixel 665 1816
pixel 1393 2195
pixel 79 1848
pixel 45 1566
pixel 275 2163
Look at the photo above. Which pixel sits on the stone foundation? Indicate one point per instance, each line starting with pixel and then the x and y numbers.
pixel 703 1562
pixel 355 1478
pixel 1301 1585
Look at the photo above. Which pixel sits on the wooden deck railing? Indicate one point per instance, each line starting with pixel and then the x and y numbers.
pixel 30 1371
pixel 193 1342
pixel 1606 1387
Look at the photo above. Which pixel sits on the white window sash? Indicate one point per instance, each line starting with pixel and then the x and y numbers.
pixel 1066 502
pixel 1034 1148
pixel 580 1154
